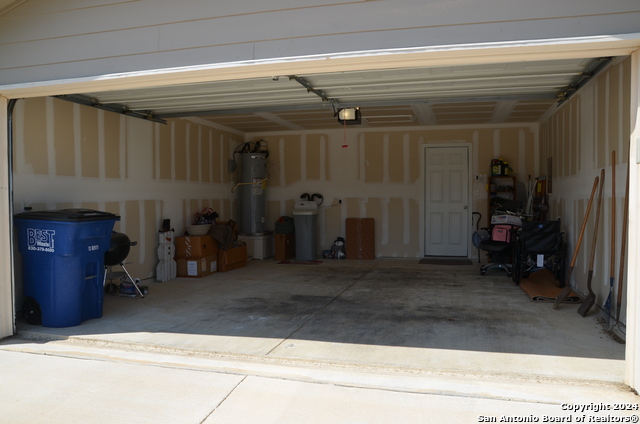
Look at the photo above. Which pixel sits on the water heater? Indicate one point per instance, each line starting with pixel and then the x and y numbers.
pixel 252 201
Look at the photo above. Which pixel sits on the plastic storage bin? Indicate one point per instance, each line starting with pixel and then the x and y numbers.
pixel 305 219
pixel 63 264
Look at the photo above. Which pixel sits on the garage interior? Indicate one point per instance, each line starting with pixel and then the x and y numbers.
pixel 390 312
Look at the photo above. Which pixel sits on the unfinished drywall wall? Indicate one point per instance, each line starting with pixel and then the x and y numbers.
pixel 578 139
pixel 70 156
pixel 379 173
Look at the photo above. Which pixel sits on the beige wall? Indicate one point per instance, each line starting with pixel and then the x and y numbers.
pixel 381 175
pixel 579 138
pixel 67 156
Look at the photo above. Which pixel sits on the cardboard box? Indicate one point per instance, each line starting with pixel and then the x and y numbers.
pixel 285 246
pixel 196 246
pixel 507 219
pixel 258 247
pixel 232 224
pixel 197 267
pixel 360 238
pixel 231 259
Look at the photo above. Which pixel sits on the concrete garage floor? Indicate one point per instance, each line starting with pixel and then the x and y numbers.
pixel 384 314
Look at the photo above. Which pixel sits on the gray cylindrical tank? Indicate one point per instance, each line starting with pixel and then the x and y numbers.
pixel 252 201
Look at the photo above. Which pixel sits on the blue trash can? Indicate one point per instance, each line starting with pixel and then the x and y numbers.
pixel 63 264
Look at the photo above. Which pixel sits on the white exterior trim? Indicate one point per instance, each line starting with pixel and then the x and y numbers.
pixel 456 54
pixel 7 326
pixel 632 372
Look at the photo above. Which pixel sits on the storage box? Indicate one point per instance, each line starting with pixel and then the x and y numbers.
pixel 501 233
pixel 506 219
pixel 231 259
pixel 258 247
pixel 285 246
pixel 196 246
pixel 360 238
pixel 197 267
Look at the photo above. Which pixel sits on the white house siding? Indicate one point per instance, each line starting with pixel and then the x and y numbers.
pixel 42 40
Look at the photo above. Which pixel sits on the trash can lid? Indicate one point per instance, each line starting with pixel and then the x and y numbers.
pixel 72 215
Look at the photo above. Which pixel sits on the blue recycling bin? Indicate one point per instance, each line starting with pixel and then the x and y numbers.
pixel 63 264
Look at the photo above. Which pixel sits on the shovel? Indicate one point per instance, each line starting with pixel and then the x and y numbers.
pixel 623 248
pixel 586 305
pixel 565 292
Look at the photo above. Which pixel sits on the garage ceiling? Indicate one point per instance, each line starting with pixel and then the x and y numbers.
pixel 446 95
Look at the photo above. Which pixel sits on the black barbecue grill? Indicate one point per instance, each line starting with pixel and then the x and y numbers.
pixel 117 253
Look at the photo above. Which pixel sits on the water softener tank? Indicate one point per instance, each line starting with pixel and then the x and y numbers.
pixel 252 201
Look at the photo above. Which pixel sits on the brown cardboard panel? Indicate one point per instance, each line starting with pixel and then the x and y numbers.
pixel 292 160
pixel 192 141
pixel 35 135
pixel 63 138
pixel 180 156
pixel 89 140
pixel 360 238
pixel 112 145
pixel 373 157
pixel 206 155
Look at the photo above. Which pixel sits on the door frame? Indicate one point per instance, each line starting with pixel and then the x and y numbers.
pixel 425 208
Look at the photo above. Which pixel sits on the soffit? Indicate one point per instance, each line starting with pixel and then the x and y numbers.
pixel 485 93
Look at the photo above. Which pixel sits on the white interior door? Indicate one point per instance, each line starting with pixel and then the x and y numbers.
pixel 447 201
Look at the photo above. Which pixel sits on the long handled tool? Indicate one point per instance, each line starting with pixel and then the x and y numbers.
pixel 623 247
pixel 612 263
pixel 588 302
pixel 565 292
